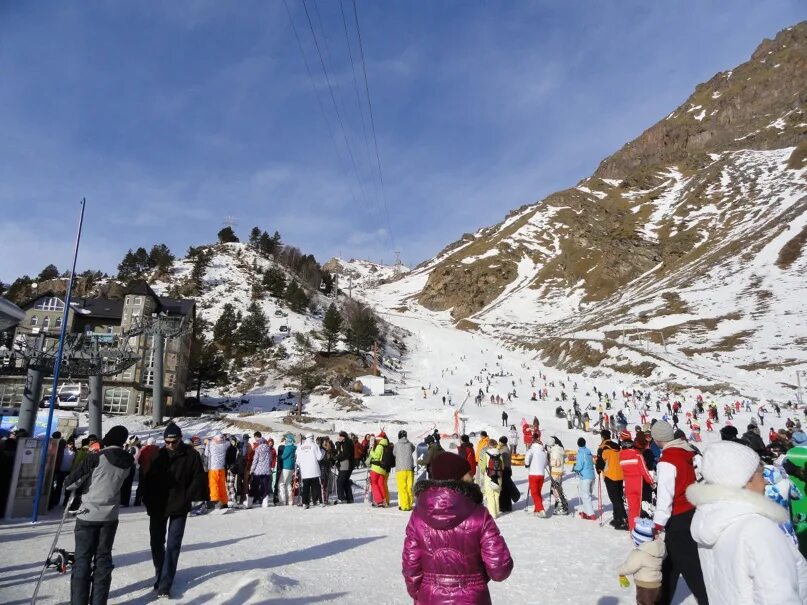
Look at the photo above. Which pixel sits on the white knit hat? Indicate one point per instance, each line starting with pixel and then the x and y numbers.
pixel 644 530
pixel 729 464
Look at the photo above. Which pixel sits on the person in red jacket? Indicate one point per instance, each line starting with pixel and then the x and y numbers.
pixel 674 474
pixel 635 475
pixel 466 450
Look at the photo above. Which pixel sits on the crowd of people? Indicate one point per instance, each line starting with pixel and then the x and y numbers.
pixel 717 518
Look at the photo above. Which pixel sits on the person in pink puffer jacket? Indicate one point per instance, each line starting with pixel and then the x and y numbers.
pixel 453 547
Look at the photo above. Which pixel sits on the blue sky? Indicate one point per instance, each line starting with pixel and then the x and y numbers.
pixel 171 116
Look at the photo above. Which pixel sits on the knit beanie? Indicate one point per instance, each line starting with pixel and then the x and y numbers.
pixel 116 436
pixel 643 531
pixel 729 464
pixel 448 466
pixel 172 431
pixel 729 433
pixel 799 438
pixel 662 432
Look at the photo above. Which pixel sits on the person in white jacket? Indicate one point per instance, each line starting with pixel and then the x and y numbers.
pixel 557 458
pixel 512 439
pixel 216 453
pixel 308 456
pixel 744 555
pixel 536 461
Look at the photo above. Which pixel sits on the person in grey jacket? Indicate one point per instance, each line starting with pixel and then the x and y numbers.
pixel 99 477
pixel 404 452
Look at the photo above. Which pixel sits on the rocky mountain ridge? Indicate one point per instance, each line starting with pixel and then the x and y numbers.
pixel 685 249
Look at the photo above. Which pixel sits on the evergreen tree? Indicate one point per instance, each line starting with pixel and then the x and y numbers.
pixel 227 236
pixel 361 329
pixel 253 333
pixel 296 297
pixel 225 329
pixel 275 282
pixel 265 245
pixel 304 375
pixel 255 237
pixel 18 291
pixel 207 366
pixel 142 261
pixel 160 257
pixel 128 266
pixel 331 327
pixel 49 272
pixel 201 259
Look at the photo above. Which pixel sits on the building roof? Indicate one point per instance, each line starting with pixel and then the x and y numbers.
pixel 45 293
pixel 102 308
pixel 141 287
pixel 178 306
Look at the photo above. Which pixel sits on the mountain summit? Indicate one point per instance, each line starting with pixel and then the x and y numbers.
pixel 683 254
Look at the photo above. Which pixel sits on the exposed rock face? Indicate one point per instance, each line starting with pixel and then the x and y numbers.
pixel 636 212
pixel 692 238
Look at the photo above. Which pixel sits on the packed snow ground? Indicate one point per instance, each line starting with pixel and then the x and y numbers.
pixel 336 554
pixel 351 553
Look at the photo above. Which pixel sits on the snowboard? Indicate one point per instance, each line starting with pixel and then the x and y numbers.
pixel 796 468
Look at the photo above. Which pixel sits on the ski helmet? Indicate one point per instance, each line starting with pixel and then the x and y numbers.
pixel 401 434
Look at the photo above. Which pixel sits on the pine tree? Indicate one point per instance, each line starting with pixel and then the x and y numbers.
pixel 361 329
pixel 255 237
pixel 296 297
pixel 49 272
pixel 275 282
pixel 142 261
pixel 226 327
pixel 160 257
pixel 128 266
pixel 304 375
pixel 253 333
pixel 331 327
pixel 227 236
pixel 207 366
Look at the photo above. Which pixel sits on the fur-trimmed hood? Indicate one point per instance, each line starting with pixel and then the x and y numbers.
pixel 720 507
pixel 446 504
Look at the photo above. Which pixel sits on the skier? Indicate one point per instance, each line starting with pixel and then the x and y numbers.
pixel 261 474
pixel 584 469
pixel 286 460
pixel 472 551
pixel 100 477
pixel 404 471
pixel 512 439
pixel 433 448
pixel 504 415
pixel 176 478
pixel 308 456
pixel 466 450
pixel 557 458
pixel 608 466
pixel 379 470
pixel 216 454
pixel 536 461
pixel 491 462
pixel 635 476
pixel 344 467
pixel 675 472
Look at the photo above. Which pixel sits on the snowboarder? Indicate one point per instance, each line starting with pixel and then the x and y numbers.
pixel 100 478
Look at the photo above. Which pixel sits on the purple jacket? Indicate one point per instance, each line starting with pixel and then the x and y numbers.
pixel 453 546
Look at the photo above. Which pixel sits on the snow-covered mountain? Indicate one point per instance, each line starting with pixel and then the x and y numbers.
pixel 362 274
pixel 680 260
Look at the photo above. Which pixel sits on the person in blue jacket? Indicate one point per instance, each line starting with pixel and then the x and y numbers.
pixel 287 460
pixel 584 469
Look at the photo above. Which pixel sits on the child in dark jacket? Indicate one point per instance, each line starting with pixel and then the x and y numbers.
pixel 453 546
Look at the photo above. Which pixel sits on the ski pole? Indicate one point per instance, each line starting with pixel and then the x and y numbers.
pixel 599 496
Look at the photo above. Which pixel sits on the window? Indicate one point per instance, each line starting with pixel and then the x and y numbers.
pixel 110 329
pixel 58 323
pixel 46 323
pixel 49 304
pixel 116 400
pixel 11 394
pixel 34 320
pixel 138 301
pixel 148 373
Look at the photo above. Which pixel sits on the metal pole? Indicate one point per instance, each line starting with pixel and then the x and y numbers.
pixel 32 392
pixel 57 367
pixel 95 404
pixel 157 376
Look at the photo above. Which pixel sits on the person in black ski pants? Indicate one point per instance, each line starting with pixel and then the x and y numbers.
pixel 175 479
pixel 99 477
pixel 344 467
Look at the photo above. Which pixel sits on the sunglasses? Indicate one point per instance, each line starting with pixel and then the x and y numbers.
pixel 171 441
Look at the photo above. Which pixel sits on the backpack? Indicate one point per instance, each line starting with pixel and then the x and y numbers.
pixel 495 466
pixel 387 458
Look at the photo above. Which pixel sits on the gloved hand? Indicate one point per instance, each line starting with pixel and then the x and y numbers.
pixel 624 582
